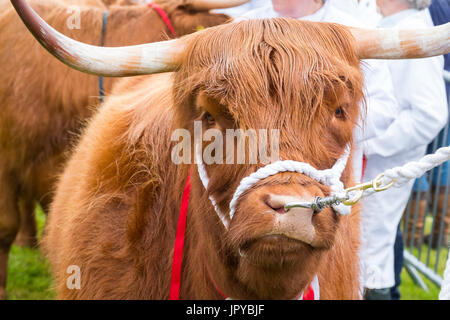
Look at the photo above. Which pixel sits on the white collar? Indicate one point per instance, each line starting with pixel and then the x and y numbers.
pixel 319 15
pixel 259 13
pixel 269 12
pixel 394 19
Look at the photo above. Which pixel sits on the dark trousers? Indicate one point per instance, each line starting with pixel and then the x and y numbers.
pixel 398 264
pixel 394 292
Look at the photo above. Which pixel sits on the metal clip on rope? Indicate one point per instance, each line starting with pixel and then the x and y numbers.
pixel 376 185
pixel 351 196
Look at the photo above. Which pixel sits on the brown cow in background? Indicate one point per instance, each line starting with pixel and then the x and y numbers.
pixel 117 203
pixel 26 236
pixel 43 103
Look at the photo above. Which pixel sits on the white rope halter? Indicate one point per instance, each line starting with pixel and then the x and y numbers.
pixel 329 177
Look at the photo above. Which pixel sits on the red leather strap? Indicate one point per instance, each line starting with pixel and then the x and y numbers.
pixel 215 285
pixel 179 243
pixel 364 166
pixel 164 18
pixel 309 293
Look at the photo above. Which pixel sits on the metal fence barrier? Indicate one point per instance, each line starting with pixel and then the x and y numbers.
pixel 426 221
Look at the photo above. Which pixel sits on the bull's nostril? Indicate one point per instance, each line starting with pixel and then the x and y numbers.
pixel 280 210
pixel 275 206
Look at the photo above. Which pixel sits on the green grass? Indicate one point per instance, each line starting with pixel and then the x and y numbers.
pixel 29 276
pixel 409 291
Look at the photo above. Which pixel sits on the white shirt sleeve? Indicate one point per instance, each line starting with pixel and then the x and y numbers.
pixel 381 104
pixel 424 109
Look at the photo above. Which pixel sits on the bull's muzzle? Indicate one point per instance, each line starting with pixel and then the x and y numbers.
pixel 295 223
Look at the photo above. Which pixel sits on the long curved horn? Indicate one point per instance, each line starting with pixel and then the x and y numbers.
pixel 144 59
pixel 402 43
pixel 215 4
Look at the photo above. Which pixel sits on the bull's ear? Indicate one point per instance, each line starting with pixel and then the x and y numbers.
pixel 204 5
pixel 144 59
pixel 393 43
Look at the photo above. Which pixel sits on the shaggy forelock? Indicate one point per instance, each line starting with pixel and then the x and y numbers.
pixel 268 62
pixel 273 73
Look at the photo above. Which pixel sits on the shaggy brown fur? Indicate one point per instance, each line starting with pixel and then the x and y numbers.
pixel 43 103
pixel 116 206
pixel 26 236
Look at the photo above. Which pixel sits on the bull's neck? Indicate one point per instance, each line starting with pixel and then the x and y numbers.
pixel 210 268
pixel 215 273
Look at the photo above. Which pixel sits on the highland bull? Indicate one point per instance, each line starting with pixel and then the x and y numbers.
pixel 44 104
pixel 116 211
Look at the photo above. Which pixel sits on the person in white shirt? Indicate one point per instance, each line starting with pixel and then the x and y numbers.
pixel 236 12
pixel 382 107
pixel 363 10
pixel 419 89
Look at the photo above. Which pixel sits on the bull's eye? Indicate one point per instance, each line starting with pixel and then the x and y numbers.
pixel 339 113
pixel 208 117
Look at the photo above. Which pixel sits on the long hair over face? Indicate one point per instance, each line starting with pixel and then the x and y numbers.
pixel 276 73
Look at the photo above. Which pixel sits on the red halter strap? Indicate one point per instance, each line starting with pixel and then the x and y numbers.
pixel 177 259
pixel 164 18
pixel 364 166
pixel 179 242
pixel 308 295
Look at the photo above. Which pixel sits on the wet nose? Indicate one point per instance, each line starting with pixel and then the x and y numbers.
pixel 276 202
pixel 295 223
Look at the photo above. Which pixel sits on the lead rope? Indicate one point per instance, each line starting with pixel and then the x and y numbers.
pixel 394 177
